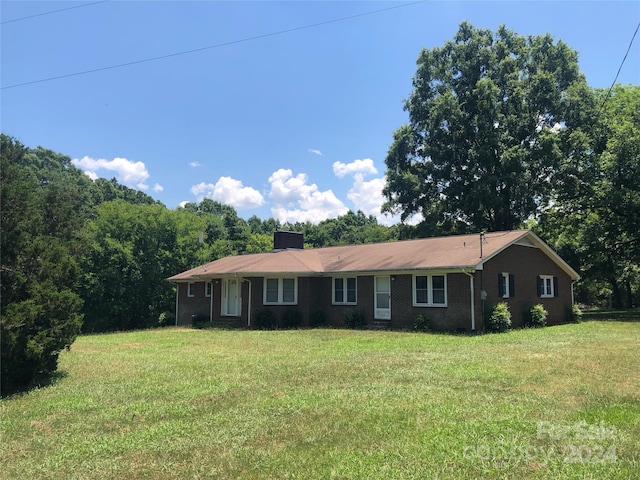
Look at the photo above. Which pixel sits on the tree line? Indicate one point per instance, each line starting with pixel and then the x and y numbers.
pixel 93 256
pixel 503 133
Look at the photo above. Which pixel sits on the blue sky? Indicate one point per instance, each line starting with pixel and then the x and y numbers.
pixel 293 125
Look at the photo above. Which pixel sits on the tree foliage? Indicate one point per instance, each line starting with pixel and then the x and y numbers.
pixel 487 116
pixel 43 206
pixel 594 222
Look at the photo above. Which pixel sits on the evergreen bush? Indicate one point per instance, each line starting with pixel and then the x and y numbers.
pixel 355 319
pixel 537 317
pixel 422 323
pixel 500 318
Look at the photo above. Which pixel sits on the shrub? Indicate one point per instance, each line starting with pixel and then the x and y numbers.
pixel 166 318
pixel 319 318
pixel 32 334
pixel 355 319
pixel 266 320
pixel 422 323
pixel 500 318
pixel 537 317
pixel 199 320
pixel 292 318
pixel 575 314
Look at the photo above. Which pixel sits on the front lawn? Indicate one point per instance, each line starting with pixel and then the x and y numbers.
pixel 558 402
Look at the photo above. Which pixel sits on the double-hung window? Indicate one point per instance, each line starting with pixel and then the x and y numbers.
pixel 547 286
pixel 430 290
pixel 191 290
pixel 506 285
pixel 345 291
pixel 280 291
pixel 207 289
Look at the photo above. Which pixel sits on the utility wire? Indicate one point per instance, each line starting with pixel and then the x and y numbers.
pixel 232 42
pixel 606 97
pixel 52 11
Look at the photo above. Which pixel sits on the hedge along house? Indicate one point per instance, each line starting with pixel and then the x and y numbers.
pixel 452 280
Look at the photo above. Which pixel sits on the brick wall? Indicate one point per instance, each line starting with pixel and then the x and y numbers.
pixel 455 316
pixel 199 304
pixel 526 264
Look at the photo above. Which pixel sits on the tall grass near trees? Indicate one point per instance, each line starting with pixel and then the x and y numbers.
pixel 560 402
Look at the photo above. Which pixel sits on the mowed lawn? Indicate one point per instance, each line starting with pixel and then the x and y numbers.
pixel 559 402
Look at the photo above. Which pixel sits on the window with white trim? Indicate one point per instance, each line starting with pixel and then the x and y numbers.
pixel 191 289
pixel 280 291
pixel 345 291
pixel 208 289
pixel 430 290
pixel 506 285
pixel 547 286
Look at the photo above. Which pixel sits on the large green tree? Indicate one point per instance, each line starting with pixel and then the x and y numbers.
pixel 595 219
pixel 133 249
pixel 487 117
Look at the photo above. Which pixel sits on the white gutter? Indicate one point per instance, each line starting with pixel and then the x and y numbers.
pixel 473 302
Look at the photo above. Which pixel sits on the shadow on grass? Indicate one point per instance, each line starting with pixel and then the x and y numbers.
pixel 41 381
pixel 632 315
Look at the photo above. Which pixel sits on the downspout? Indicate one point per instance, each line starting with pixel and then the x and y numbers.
pixel 210 301
pixel 177 297
pixel 573 282
pixel 249 304
pixel 473 301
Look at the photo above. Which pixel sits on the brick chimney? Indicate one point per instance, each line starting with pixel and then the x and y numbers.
pixel 285 240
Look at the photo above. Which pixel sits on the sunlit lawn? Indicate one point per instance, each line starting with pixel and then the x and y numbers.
pixel 560 402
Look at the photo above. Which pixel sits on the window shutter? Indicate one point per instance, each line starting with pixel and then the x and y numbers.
pixel 540 286
pixel 512 285
pixel 555 286
pixel 500 286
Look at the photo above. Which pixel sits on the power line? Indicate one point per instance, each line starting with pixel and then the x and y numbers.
pixel 224 44
pixel 606 97
pixel 52 11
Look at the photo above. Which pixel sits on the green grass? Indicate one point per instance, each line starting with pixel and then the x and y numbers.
pixel 320 404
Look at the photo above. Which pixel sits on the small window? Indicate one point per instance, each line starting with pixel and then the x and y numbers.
pixel 280 291
pixel 438 293
pixel 345 290
pixel 547 286
pixel 207 289
pixel 430 290
pixel 288 290
pixel 271 295
pixel 506 285
pixel 191 290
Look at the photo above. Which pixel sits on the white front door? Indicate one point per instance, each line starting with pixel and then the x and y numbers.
pixel 230 298
pixel 382 298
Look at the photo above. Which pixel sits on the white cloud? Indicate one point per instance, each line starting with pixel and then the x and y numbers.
pixel 127 172
pixel 293 200
pixel 315 151
pixel 195 164
pixel 229 191
pixel 158 188
pixel 357 166
pixel 367 195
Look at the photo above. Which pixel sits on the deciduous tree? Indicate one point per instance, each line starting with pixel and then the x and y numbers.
pixel 486 117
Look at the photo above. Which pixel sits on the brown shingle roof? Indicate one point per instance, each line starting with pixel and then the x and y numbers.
pixel 452 252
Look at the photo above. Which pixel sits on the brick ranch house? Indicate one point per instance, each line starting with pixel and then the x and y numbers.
pixel 452 280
